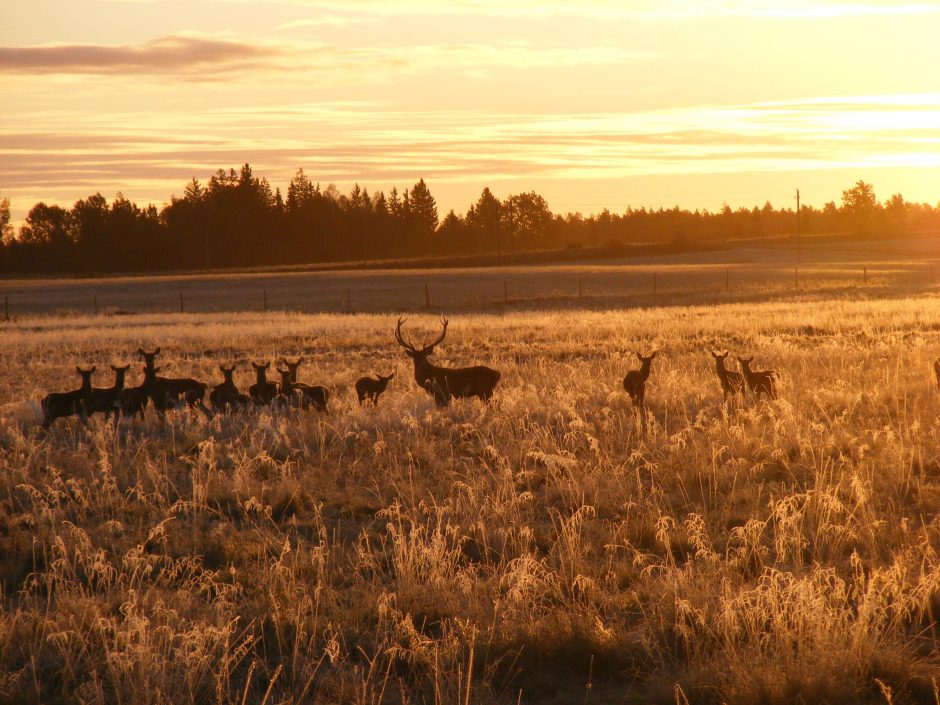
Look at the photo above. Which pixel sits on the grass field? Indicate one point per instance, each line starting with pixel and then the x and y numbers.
pixel 546 548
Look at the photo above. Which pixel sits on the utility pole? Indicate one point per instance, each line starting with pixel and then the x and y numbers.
pixel 499 253
pixel 798 252
pixel 512 238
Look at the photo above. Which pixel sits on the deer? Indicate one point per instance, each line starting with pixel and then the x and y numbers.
pixel 225 396
pixel 290 393
pixel 133 400
pixel 368 389
pixel 105 400
pixel 759 382
pixel 731 382
pixel 167 392
pixel 312 395
pixel 635 381
pixel 262 391
pixel 445 383
pixel 59 405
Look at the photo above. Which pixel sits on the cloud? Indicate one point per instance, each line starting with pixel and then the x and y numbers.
pixel 176 54
pixel 334 21
pixel 190 57
pixel 650 10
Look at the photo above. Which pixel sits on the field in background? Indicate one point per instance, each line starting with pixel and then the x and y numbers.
pixel 747 271
pixel 544 548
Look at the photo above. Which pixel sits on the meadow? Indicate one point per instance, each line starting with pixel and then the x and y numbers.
pixel 545 548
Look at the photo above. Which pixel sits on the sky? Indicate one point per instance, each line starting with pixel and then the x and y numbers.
pixel 594 105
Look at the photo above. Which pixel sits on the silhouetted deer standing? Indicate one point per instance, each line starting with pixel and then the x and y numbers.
pixel 731 382
pixel 313 395
pixel 759 382
pixel 225 396
pixel 635 381
pixel 133 400
pixel 262 391
pixel 59 405
pixel 105 400
pixel 444 383
pixel 167 393
pixel 368 389
pixel 291 394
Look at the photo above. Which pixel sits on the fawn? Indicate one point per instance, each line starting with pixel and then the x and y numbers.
pixel 311 394
pixel 731 382
pixel 759 382
pixel 368 389
pixel 635 381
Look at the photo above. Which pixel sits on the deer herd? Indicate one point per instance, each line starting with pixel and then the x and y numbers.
pixel 441 383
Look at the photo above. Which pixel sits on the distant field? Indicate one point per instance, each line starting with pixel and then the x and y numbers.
pixel 753 272
pixel 543 549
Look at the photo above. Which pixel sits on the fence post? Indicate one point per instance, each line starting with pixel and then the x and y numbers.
pixel 427 296
pixel 181 301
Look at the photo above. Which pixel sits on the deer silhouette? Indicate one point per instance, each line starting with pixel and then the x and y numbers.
pixel 731 382
pixel 262 391
pixel 313 395
pixel 133 400
pixel 59 405
pixel 444 383
pixel 759 382
pixel 225 396
pixel 368 389
pixel 635 381
pixel 105 400
pixel 166 392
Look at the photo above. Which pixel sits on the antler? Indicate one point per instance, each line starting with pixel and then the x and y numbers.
pixel 401 341
pixel 440 337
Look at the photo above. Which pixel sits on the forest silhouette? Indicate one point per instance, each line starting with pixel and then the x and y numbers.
pixel 237 220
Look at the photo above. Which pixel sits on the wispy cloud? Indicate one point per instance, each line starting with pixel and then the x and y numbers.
pixel 178 54
pixel 609 9
pixel 333 21
pixel 190 57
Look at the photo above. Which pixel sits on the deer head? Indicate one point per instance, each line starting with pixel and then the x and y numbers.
pixel 416 354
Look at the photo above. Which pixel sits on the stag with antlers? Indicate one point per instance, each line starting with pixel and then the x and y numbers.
pixel 445 383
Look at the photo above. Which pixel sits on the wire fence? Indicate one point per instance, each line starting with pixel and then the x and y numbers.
pixel 377 291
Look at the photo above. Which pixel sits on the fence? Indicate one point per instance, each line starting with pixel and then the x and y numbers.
pixel 452 290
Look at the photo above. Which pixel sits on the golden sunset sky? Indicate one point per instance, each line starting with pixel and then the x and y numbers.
pixel 592 104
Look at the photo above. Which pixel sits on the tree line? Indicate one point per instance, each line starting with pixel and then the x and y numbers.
pixel 236 219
